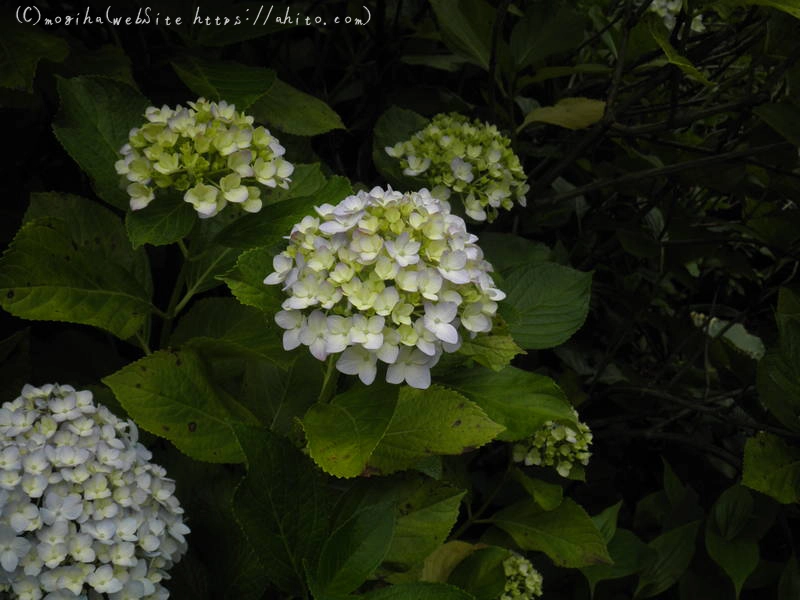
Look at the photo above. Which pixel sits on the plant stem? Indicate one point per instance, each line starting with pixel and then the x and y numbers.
pixel 329 383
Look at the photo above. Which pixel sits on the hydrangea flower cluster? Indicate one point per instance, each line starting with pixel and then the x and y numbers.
pixel 668 10
pixel 523 581
pixel 82 510
pixel 209 151
pixel 384 275
pixel 471 160
pixel 556 445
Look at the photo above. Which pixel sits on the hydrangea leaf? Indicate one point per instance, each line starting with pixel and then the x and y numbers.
pixel 169 394
pixel 506 251
pixel 225 325
pixel 467 28
pixel 492 351
pixel 428 422
pixel 93 123
pixel 570 113
pixel 274 222
pixel 659 33
pixel 343 434
pixel 547 495
pixel 673 553
pixel 56 270
pixel 307 180
pixel 772 467
pixel 233 82
pixel 482 573
pixel 567 534
pixel 440 563
pixel 288 109
pixel 281 506
pixel 778 382
pixel 354 550
pixel 629 554
pixel 393 126
pixel 21 50
pixel 419 591
pixel 546 303
pixel 246 281
pixel 163 222
pixel 518 400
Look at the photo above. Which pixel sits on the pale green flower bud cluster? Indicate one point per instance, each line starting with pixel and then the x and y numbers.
pixel 471 160
pixel 556 445
pixel 208 151
pixel 668 10
pixel 83 511
pixel 523 582
pixel 384 275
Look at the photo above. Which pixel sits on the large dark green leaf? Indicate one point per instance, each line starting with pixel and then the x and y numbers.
pixel 673 553
pixel 546 303
pixel 772 467
pixel 165 221
pixel 169 394
pixel 224 80
pixel 93 123
pixel 567 534
pixel 75 266
pixel 467 28
pixel 546 29
pixel 290 110
pixel 518 400
pixel 281 506
pixel 21 49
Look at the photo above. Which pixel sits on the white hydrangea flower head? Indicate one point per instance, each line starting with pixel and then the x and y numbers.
pixel 384 276
pixel 556 445
pixel 209 151
pixel 668 10
pixel 523 581
pixel 471 161
pixel 83 511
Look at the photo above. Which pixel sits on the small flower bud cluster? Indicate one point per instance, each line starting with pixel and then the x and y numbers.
pixel 209 151
pixel 384 275
pixel 82 510
pixel 473 161
pixel 523 582
pixel 556 445
pixel 668 10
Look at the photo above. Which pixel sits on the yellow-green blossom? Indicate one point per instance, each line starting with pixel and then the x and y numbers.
pixel 208 151
pixel 471 161
pixel 384 276
pixel 523 581
pixel 556 445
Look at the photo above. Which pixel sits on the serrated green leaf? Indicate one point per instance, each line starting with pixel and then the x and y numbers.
pixel 21 49
pixel 673 553
pixel 547 495
pixel 778 382
pixel 163 222
pixel 419 591
pixel 772 467
pixel 246 281
pixel 492 351
pixel 518 400
pixel 307 180
pixel 628 554
pixel 343 434
pixel 606 521
pixel 567 534
pixel 170 395
pixel 482 573
pixel 355 549
pixel 275 221
pixel 441 562
pixel 570 113
pixel 505 251
pixel 54 271
pixel 466 28
pixel 281 506
pixel 546 303
pixel 93 123
pixel 738 557
pixel 288 109
pixel 429 422
pixel 233 82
